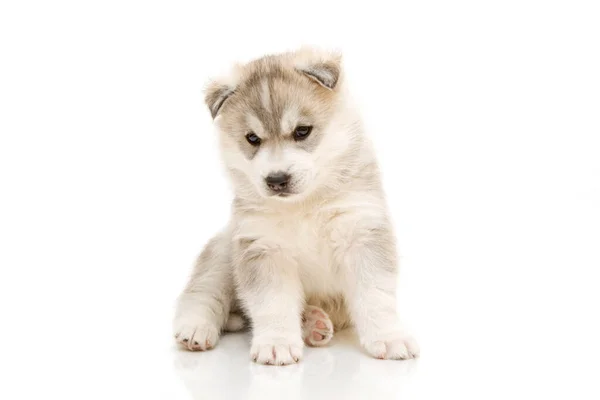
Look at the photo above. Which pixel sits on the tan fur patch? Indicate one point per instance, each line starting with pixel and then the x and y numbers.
pixel 274 91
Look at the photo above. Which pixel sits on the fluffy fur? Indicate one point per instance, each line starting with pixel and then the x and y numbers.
pixel 320 256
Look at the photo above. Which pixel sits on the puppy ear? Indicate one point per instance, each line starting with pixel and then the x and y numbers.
pixel 324 67
pixel 215 96
pixel 326 73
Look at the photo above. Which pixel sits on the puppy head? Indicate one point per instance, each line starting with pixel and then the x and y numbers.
pixel 281 122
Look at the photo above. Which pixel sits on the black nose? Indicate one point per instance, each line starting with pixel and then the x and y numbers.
pixel 278 181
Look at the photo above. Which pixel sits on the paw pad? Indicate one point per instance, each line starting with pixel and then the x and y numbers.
pixel 317 328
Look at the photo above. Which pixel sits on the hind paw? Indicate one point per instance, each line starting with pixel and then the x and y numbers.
pixel 317 329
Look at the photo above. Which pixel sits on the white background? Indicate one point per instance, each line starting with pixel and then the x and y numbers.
pixel 486 119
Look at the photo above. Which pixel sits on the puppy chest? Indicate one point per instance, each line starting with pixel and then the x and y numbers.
pixel 309 242
pixel 316 242
pixel 305 238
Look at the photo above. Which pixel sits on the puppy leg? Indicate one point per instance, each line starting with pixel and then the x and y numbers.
pixel 317 328
pixel 371 295
pixel 270 290
pixel 204 305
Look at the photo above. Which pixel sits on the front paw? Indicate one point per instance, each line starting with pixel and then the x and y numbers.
pixel 397 346
pixel 196 333
pixel 276 351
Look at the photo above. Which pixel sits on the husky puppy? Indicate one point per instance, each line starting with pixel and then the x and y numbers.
pixel 309 248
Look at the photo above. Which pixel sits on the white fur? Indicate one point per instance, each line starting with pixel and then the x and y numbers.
pixel 265 96
pixel 331 239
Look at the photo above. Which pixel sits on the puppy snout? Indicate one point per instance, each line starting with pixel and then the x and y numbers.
pixel 278 181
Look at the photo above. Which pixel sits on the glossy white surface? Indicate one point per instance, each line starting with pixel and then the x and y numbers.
pixel 339 371
pixel 485 117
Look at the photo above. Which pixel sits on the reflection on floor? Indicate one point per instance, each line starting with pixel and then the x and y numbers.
pixel 338 371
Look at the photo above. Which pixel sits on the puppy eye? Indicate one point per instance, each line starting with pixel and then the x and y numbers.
pixel 253 139
pixel 302 132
